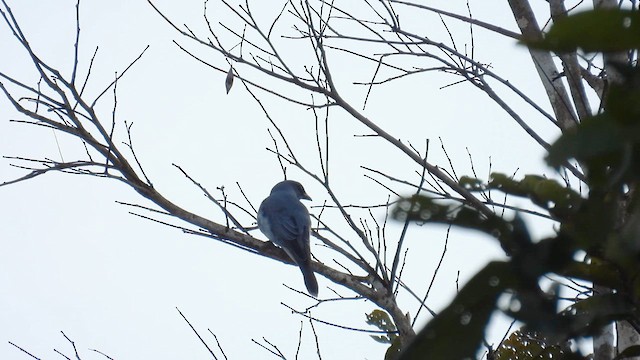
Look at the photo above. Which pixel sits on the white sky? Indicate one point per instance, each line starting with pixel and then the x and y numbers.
pixel 74 260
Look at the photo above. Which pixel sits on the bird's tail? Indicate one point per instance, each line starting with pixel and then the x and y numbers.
pixel 310 280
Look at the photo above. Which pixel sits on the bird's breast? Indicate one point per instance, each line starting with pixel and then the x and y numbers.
pixel 264 226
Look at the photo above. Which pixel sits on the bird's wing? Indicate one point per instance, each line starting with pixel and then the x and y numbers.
pixel 289 225
pixel 300 228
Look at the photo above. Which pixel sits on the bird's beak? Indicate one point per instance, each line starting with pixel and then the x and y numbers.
pixel 306 197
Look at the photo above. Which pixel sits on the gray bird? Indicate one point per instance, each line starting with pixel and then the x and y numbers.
pixel 285 221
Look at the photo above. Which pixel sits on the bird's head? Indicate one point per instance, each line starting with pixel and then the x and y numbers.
pixel 291 186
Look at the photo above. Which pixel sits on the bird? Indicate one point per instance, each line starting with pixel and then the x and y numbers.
pixel 285 221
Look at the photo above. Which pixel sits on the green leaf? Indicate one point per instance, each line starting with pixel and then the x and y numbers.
pixel 394 350
pixel 587 316
pixel 602 30
pixel 470 183
pixel 622 101
pixel 549 194
pixel 528 345
pixel 513 235
pixel 506 184
pixel 596 271
pixel 382 321
pixel 607 147
pixel 598 136
pixel 457 332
